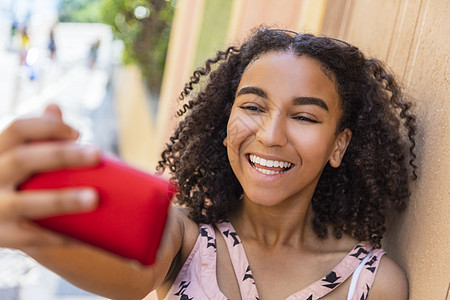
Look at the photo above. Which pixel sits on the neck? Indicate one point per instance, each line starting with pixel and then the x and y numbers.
pixel 274 226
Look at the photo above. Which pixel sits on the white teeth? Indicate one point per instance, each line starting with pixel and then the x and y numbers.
pixel 286 165
pixel 269 163
pixel 267 172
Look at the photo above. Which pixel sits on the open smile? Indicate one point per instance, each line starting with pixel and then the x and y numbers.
pixel 268 166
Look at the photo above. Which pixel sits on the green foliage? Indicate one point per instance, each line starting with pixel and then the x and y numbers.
pixel 145 40
pixel 83 11
pixel 214 29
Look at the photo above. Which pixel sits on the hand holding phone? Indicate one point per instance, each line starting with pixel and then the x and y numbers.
pixel 132 211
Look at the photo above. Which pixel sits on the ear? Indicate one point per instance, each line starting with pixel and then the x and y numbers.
pixel 225 142
pixel 341 144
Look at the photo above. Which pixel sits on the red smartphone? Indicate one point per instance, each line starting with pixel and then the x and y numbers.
pixel 132 211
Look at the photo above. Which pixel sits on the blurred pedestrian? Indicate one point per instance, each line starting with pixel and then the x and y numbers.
pixel 24 44
pixel 93 53
pixel 52 44
pixel 12 34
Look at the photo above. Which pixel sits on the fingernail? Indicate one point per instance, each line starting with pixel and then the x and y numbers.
pixel 90 152
pixel 87 199
pixel 75 133
pixel 51 113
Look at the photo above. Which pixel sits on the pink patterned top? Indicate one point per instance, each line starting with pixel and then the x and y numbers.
pixel 197 278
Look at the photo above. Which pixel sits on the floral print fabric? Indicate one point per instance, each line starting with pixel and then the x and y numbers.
pixel 197 279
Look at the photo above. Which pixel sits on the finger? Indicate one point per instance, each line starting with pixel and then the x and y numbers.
pixel 13 235
pixel 18 164
pixel 48 203
pixel 25 234
pixel 52 111
pixel 35 129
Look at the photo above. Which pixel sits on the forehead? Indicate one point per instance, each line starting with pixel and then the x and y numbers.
pixel 290 75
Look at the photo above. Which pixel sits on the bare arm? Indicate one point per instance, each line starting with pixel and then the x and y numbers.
pixel 108 275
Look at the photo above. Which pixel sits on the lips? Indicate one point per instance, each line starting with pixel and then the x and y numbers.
pixel 268 166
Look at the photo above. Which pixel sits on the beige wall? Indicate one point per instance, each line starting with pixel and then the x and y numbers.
pixel 247 14
pixel 412 36
pixel 304 15
pixel 136 124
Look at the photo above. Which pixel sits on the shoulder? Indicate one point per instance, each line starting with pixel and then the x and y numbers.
pixel 178 240
pixel 181 216
pixel 182 231
pixel 390 282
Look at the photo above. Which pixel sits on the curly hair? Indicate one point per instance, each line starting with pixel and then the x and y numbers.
pixel 355 198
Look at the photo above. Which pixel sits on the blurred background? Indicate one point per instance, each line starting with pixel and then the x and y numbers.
pixel 116 69
pixel 73 53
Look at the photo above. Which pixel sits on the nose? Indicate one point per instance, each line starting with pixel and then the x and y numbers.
pixel 272 131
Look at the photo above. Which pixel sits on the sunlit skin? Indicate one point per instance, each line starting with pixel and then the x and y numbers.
pixel 286 109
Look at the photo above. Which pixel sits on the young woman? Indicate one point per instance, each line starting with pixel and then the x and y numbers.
pixel 288 160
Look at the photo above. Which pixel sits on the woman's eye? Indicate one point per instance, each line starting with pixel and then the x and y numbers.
pixel 306 119
pixel 250 107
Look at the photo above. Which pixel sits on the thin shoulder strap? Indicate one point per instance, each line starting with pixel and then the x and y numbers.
pixel 364 275
pixel 343 270
pixel 355 276
pixel 239 260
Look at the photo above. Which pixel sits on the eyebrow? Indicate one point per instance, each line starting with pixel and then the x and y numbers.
pixel 310 100
pixel 252 90
pixel 297 101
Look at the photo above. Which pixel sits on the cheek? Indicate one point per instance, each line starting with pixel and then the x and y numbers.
pixel 240 129
pixel 313 145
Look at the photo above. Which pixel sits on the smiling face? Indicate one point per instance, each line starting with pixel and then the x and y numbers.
pixel 282 128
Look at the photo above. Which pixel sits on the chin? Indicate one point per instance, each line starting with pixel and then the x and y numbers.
pixel 264 199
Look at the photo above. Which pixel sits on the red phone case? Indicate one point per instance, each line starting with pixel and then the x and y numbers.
pixel 131 214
